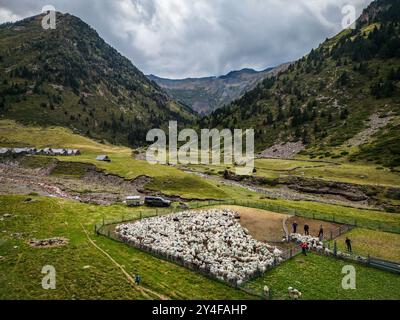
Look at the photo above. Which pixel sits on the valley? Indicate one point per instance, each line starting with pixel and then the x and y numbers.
pixel 326 172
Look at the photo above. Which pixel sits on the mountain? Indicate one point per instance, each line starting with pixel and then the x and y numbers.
pixel 205 95
pixel 71 77
pixel 342 100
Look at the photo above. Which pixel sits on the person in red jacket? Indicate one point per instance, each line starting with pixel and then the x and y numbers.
pixel 304 248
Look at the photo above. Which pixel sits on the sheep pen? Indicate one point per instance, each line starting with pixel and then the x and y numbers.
pixel 212 242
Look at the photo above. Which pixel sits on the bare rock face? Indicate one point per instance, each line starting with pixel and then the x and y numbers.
pixel 376 123
pixel 283 150
pixel 349 191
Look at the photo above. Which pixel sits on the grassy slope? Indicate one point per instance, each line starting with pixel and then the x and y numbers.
pixel 70 77
pixel 20 272
pixel 185 185
pixel 318 79
pixel 169 179
pixel 320 278
pixel 343 171
pixel 378 244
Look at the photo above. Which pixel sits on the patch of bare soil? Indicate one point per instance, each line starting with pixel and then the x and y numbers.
pixel 265 226
pixel 95 186
pixel 48 243
pixel 314 226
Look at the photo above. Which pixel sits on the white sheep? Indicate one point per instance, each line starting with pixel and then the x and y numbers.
pixel 294 293
pixel 211 240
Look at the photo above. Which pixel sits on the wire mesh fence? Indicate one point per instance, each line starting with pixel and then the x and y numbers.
pixel 107 228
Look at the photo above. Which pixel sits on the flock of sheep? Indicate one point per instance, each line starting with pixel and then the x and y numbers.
pixel 313 243
pixel 211 241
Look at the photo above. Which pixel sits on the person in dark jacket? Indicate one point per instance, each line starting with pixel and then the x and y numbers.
pixel 306 229
pixel 294 225
pixel 138 279
pixel 348 245
pixel 321 233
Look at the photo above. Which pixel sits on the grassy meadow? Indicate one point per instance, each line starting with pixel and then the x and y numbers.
pixel 320 278
pixel 84 272
pixel 381 245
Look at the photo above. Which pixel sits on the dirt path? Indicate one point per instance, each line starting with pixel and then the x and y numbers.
pixel 145 291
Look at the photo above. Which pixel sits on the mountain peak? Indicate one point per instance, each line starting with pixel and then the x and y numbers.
pixel 204 95
pixel 71 77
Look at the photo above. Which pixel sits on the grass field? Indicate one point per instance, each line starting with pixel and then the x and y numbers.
pixel 20 271
pixel 173 181
pixel 169 180
pixel 378 244
pixel 357 173
pixel 83 272
pixel 320 278
pixel 13 134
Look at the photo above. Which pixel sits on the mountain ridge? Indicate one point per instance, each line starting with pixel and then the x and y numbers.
pixel 207 94
pixel 330 95
pixel 71 77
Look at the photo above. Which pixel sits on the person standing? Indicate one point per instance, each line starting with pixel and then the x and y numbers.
pixel 348 245
pixel 294 225
pixel 306 229
pixel 304 248
pixel 138 279
pixel 321 233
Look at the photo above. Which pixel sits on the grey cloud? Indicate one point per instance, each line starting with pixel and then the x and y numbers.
pixel 182 38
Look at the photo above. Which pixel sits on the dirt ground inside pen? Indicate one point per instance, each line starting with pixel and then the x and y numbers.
pixel 314 226
pixel 267 226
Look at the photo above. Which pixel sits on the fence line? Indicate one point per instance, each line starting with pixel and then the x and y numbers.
pixel 373 225
pixel 364 223
pixel 104 228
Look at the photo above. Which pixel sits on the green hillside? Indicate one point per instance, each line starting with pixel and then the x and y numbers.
pixel 70 77
pixel 347 88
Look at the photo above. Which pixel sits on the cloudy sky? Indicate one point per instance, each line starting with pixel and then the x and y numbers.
pixel 193 38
